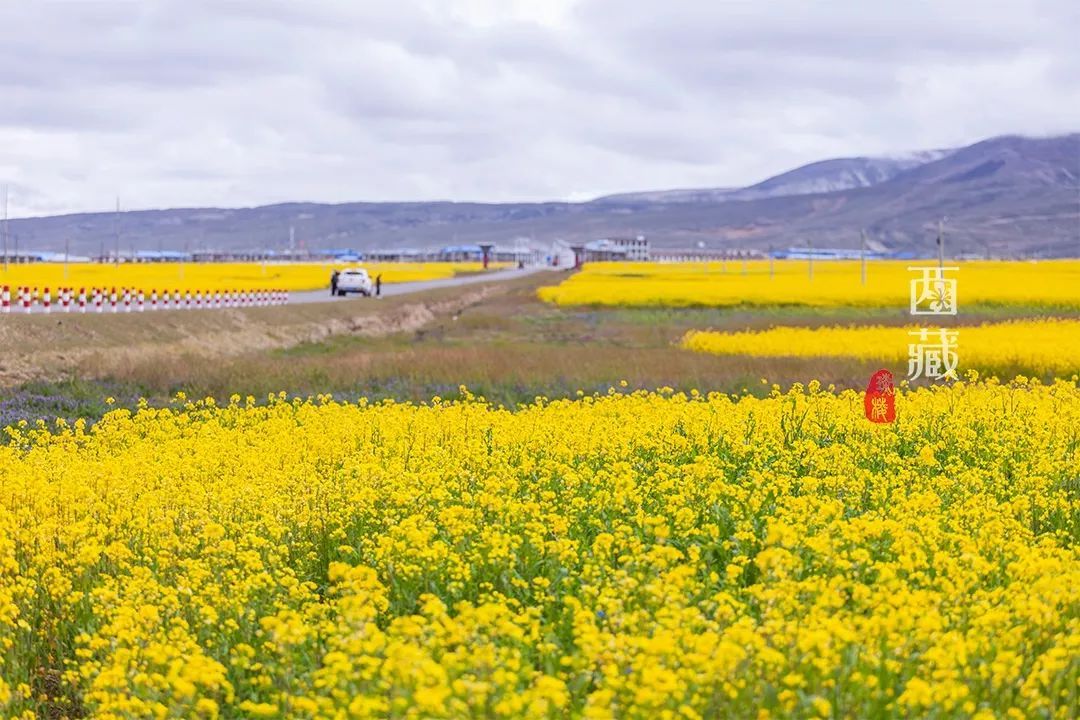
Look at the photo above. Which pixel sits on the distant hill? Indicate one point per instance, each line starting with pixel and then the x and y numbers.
pixel 1006 195
pixel 819 177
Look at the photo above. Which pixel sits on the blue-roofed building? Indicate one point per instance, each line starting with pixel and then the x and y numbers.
pixel 341 254
pixel 35 256
pixel 462 253
pixel 807 253
pixel 162 256
pixel 396 254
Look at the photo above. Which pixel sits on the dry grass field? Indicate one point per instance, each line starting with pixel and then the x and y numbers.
pixel 497 339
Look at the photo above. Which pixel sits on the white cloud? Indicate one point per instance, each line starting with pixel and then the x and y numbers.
pixel 175 103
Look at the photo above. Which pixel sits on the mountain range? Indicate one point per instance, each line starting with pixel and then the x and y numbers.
pixel 1003 196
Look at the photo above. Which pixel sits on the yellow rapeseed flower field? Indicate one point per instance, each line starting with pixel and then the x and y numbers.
pixel 216 276
pixel 1047 283
pixel 644 555
pixel 1045 345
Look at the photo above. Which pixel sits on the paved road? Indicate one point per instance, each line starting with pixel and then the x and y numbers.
pixel 391 289
pixel 317 296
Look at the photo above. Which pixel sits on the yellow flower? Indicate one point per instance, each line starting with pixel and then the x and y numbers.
pixel 781 282
pixel 1045 345
pixel 821 706
pixel 626 554
pixel 216 276
pixel 258 710
pixel 927 456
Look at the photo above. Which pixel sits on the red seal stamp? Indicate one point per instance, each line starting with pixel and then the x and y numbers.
pixel 880 400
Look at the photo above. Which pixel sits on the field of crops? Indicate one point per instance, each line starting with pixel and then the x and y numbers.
pixel 215 276
pixel 1041 346
pixel 791 282
pixel 612 555
pixel 623 555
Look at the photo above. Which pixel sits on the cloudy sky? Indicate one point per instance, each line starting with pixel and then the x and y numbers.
pixel 244 102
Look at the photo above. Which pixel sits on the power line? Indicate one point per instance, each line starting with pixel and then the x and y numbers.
pixel 862 254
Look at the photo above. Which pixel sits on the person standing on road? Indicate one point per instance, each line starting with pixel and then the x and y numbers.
pixel 378 285
pixel 333 283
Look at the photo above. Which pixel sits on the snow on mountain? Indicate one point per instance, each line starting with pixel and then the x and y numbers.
pixel 819 177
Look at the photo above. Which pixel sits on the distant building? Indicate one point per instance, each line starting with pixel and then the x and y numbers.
pixel 603 250
pixel 461 253
pixel 637 247
pixel 561 255
pixel 520 252
pixel 806 253
pixel 678 255
pixel 162 256
pixel 396 255
pixel 634 249
pixel 31 256
pixel 341 254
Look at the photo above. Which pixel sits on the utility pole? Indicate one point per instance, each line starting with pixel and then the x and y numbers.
pixel 862 254
pixel 941 243
pixel 116 233
pixel 4 228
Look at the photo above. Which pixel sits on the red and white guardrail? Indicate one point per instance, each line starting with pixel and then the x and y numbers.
pixel 113 300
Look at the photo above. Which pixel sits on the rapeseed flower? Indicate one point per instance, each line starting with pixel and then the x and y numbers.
pixel 667 554
pixel 1044 345
pixel 1054 283
pixel 216 276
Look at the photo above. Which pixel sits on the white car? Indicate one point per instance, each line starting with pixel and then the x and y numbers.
pixel 354 280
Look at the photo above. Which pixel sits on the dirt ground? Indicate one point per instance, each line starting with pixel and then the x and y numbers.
pixel 50 347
